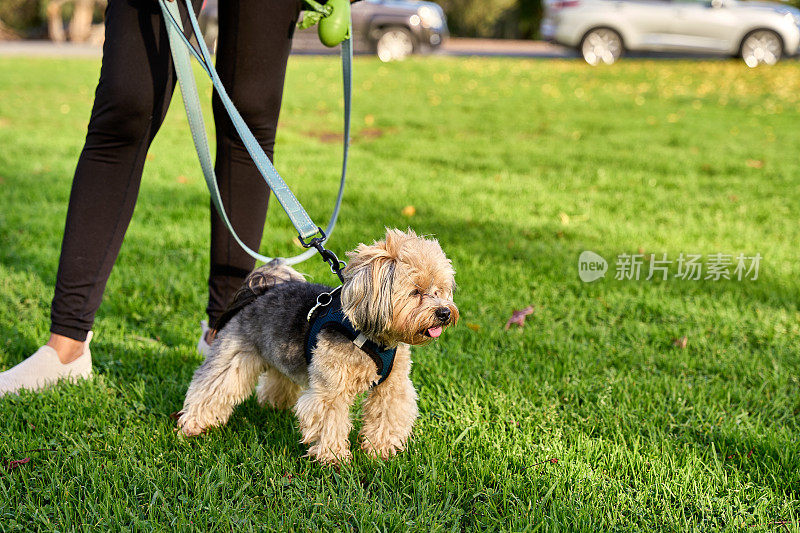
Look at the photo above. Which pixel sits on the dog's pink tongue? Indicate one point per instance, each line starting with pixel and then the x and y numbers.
pixel 435 332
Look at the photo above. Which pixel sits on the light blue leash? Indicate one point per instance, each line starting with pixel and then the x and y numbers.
pixel 297 215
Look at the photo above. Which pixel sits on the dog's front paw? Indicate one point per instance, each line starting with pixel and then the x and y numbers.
pixel 188 426
pixel 383 450
pixel 330 455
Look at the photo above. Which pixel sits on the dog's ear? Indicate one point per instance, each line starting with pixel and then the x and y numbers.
pixel 367 290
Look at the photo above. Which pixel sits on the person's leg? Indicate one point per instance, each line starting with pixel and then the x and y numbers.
pixel 133 93
pixel 253 47
pixel 132 97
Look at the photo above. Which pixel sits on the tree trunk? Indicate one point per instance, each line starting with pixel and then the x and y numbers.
pixel 80 27
pixel 55 26
pixel 6 33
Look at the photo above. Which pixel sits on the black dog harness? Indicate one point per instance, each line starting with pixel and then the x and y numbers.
pixel 330 315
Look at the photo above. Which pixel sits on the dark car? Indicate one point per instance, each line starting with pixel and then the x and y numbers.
pixel 392 29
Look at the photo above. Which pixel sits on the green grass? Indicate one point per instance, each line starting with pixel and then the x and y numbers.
pixel 516 166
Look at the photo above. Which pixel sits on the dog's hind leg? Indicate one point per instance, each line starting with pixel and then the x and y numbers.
pixel 276 390
pixel 226 378
pixel 390 410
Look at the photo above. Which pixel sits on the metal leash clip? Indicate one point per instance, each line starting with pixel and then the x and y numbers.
pixel 329 257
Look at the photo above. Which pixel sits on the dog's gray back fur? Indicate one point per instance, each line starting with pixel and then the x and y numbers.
pixel 275 326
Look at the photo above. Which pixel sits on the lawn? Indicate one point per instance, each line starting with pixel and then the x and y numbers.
pixel 596 415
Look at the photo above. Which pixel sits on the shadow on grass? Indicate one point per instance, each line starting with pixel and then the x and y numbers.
pixel 154 381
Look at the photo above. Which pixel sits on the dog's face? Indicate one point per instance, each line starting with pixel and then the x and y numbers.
pixel 399 289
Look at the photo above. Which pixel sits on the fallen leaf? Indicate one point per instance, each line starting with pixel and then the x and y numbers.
pixel 409 211
pixel 564 218
pixel 149 157
pixel 518 317
pixel 473 327
pixel 182 179
pixel 681 342
pixel 369 120
pixel 755 163
pixel 733 198
pixel 17 463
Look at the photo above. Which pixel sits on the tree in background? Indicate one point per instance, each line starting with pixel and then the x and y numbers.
pixel 22 16
pixel 80 27
pixel 476 18
pixel 60 20
pixel 530 15
pixel 515 19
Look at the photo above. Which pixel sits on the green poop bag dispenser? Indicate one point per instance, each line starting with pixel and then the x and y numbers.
pixel 332 19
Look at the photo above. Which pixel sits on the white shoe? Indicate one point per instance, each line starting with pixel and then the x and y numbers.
pixel 44 368
pixel 203 348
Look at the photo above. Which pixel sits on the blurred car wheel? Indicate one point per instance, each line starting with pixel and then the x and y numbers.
pixel 601 45
pixel 761 47
pixel 394 44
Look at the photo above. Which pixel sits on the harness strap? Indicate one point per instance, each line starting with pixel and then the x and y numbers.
pixel 294 210
pixel 329 315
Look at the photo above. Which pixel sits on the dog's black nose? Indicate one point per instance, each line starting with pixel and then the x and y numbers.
pixel 443 314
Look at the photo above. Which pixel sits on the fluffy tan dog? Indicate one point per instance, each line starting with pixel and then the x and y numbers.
pixel 397 292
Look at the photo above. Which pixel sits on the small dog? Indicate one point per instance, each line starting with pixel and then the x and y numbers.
pixel 396 292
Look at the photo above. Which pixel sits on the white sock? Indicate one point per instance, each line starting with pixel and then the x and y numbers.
pixel 44 368
pixel 203 348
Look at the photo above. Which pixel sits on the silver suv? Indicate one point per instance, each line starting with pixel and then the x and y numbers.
pixel 601 30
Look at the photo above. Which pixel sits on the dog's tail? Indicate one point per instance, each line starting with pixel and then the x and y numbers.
pixel 258 282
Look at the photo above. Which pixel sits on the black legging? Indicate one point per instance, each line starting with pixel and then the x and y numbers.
pixel 136 84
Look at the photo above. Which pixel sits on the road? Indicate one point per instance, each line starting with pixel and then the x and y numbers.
pixel 504 47
pixel 454 46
